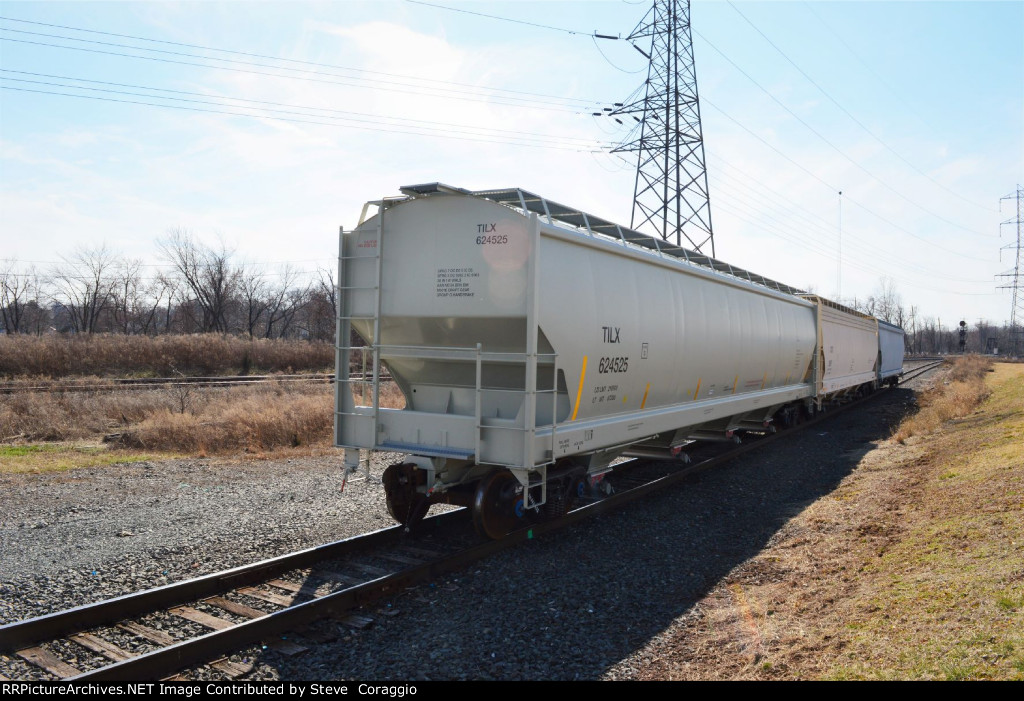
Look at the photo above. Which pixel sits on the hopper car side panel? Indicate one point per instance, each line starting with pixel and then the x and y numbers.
pixel 660 335
pixel 848 349
pixel 891 349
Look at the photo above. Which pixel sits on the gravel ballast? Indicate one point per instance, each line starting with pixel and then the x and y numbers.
pixel 572 605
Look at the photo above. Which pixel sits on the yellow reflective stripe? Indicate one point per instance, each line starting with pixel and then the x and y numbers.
pixel 646 390
pixel 579 390
pixel 734 383
pixel 764 379
pixel 697 391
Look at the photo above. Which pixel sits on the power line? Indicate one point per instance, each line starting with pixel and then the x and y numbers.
pixel 835 148
pixel 813 220
pixel 805 75
pixel 854 119
pixel 905 281
pixel 496 17
pixel 892 91
pixel 372 118
pixel 866 259
pixel 289 119
pixel 763 141
pixel 272 58
pixel 833 189
pixel 609 61
pixel 451 95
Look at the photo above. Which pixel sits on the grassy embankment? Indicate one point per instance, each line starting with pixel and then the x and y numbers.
pixel 913 568
pixel 59 430
pixel 945 600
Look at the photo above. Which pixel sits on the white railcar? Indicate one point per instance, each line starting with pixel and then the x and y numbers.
pixel 891 348
pixel 848 347
pixel 534 344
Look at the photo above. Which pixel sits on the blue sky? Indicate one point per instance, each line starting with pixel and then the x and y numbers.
pixel 915 110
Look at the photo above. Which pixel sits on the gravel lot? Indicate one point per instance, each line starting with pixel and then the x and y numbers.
pixel 573 605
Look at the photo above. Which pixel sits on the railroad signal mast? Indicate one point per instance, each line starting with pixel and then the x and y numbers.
pixel 1016 283
pixel 670 194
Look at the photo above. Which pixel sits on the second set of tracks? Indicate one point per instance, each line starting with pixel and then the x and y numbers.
pixel 262 601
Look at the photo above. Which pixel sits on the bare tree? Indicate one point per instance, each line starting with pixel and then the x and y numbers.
pixel 149 304
pixel 206 272
pixel 328 288
pixel 887 300
pixel 252 289
pixel 84 285
pixel 17 298
pixel 320 311
pixel 169 287
pixel 296 302
pixel 283 302
pixel 911 338
pixel 128 303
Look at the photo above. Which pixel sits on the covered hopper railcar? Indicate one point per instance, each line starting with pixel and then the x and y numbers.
pixel 534 344
pixel 891 345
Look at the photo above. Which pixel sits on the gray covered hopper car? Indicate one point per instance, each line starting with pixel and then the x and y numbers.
pixel 891 345
pixel 534 344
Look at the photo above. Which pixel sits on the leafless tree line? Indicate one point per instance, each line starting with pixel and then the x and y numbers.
pixel 932 335
pixel 209 289
pixel 201 289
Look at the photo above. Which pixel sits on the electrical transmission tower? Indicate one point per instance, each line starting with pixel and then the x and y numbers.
pixel 1015 283
pixel 670 195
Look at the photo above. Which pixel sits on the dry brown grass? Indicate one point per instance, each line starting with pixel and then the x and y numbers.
pixel 252 421
pixel 912 569
pixel 249 420
pixel 186 419
pixel 46 416
pixel 954 395
pixel 58 355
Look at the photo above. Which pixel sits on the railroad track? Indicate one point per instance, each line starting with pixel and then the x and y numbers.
pixel 262 601
pixel 927 364
pixel 142 383
pixel 237 607
pixel 121 384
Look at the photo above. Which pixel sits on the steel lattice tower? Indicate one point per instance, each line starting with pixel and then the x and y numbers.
pixel 1016 284
pixel 671 191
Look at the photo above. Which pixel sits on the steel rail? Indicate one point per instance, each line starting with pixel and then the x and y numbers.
pixel 165 661
pixel 116 384
pixel 20 634
pixel 917 372
pixel 134 383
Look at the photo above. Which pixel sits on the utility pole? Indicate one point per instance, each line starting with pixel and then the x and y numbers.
pixel 1015 283
pixel 670 194
pixel 839 260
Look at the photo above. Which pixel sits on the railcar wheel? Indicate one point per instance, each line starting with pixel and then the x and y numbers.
pixel 577 491
pixel 405 504
pixel 498 504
